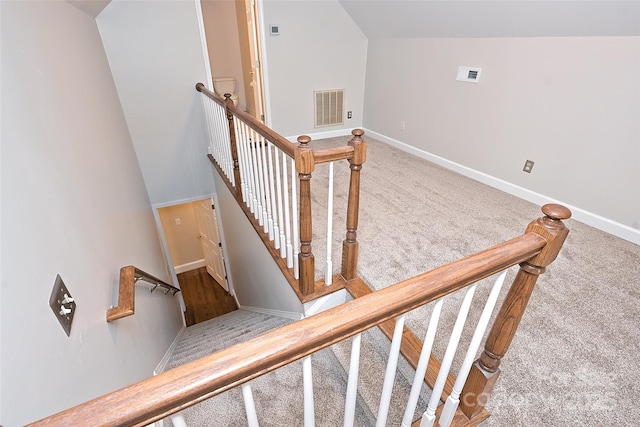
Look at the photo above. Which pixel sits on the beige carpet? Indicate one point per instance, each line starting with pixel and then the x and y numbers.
pixel 574 359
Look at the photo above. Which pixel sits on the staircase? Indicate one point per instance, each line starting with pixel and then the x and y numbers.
pixel 278 394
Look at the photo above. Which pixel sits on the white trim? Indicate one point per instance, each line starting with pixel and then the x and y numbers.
pixel 203 41
pixel 279 313
pixel 183 201
pixel 165 246
pixel 264 64
pixel 325 302
pixel 325 134
pixel 605 224
pixel 167 355
pixel 190 266
pixel 225 254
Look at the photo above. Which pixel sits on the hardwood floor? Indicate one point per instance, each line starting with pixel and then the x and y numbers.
pixel 203 296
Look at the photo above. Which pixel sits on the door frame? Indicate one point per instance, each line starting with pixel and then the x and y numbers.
pixel 262 53
pixel 165 247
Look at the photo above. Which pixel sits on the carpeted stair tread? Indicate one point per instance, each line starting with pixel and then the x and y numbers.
pixel 374 354
pixel 224 331
pixel 277 395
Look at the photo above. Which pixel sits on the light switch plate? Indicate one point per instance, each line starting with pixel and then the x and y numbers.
pixel 62 304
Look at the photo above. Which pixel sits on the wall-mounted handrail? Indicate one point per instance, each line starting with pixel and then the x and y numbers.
pixel 129 276
pixel 162 395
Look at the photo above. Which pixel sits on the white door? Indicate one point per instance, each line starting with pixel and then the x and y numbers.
pixel 210 240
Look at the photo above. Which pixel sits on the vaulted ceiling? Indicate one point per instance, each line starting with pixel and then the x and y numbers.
pixel 91 7
pixel 478 18
pixel 489 18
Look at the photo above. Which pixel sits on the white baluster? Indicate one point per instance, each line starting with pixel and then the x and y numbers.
pixel 454 398
pixel 178 420
pixel 241 165
pixel 295 219
pixel 249 405
pixel 423 363
pixel 309 411
pixel 328 275
pixel 429 416
pixel 227 146
pixel 390 374
pixel 352 382
pixel 218 131
pixel 254 161
pixel 287 219
pixel 218 135
pixel 274 233
pixel 281 237
pixel 261 179
pixel 268 218
pixel 212 130
pixel 253 200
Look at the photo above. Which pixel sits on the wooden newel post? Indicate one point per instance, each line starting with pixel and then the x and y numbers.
pixel 486 369
pixel 350 244
pixel 305 164
pixel 234 145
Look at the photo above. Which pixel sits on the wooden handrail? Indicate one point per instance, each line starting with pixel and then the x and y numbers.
pixel 129 275
pixel 306 158
pixel 333 154
pixel 276 139
pixel 157 397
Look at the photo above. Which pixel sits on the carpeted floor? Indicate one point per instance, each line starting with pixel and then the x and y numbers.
pixel 573 361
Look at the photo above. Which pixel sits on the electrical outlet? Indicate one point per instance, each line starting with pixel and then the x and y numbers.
pixel 528 166
pixel 62 304
pixel 402 126
pixel 349 114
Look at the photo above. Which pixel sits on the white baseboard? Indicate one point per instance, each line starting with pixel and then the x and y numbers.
pixel 167 355
pixel 579 214
pixel 279 313
pixel 190 266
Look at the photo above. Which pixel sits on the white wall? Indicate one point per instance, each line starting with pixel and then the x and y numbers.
pixel 183 238
pixel 569 104
pixel 74 204
pixel 256 279
pixel 319 48
pixel 156 58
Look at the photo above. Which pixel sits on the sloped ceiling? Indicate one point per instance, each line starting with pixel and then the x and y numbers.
pixel 487 18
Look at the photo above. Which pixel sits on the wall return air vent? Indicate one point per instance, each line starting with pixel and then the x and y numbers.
pixel 469 74
pixel 329 107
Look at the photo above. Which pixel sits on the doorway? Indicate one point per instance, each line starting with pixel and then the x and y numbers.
pixel 233 39
pixel 194 252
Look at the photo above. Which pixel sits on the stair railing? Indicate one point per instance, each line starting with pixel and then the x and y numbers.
pixel 129 276
pixel 270 178
pixel 171 391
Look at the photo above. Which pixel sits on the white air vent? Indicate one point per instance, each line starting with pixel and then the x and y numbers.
pixel 468 74
pixel 329 107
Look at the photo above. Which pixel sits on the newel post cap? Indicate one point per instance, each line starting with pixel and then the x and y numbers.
pixel 552 229
pixel 556 212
